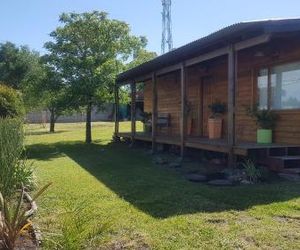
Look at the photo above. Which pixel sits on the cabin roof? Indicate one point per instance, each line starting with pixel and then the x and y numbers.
pixel 228 35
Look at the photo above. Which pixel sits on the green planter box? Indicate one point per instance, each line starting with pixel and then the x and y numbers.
pixel 264 136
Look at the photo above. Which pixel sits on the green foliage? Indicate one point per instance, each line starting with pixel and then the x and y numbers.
pixel 252 171
pixel 18 65
pixel 146 117
pixel 14 218
pixel 265 118
pixel 140 57
pixel 11 103
pixel 77 227
pixel 89 50
pixel 14 169
pixel 217 108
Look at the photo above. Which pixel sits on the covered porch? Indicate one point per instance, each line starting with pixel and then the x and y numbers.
pixel 217 145
pixel 224 61
pixel 207 70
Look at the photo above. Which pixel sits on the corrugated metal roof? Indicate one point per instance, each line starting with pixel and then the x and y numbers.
pixel 231 34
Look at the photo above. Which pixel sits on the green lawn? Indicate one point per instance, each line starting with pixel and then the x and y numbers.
pixel 139 205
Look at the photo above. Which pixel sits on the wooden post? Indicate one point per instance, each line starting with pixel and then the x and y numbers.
pixel 232 75
pixel 116 90
pixel 133 110
pixel 154 111
pixel 183 116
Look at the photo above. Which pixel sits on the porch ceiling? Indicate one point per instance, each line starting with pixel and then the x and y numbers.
pixel 230 35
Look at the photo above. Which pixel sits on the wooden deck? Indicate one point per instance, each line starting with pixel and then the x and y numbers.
pixel 220 145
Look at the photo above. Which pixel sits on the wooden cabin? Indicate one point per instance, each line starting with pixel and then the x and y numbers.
pixel 241 65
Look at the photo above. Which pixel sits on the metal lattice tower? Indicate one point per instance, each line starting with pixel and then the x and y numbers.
pixel 167 40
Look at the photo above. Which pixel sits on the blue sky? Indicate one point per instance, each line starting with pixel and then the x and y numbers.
pixel 30 21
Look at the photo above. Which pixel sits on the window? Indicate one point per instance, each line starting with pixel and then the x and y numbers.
pixel 279 87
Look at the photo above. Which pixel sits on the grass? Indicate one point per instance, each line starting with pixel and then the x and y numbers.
pixel 139 205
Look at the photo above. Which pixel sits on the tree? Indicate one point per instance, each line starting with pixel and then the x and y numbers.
pixel 17 64
pixel 141 57
pixel 11 103
pixel 50 93
pixel 57 99
pixel 88 50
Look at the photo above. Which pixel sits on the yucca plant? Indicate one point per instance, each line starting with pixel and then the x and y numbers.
pixel 252 171
pixel 14 169
pixel 14 218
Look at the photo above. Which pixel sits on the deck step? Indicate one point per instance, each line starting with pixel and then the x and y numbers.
pixel 287 157
pixel 277 151
pixel 291 171
pixel 279 163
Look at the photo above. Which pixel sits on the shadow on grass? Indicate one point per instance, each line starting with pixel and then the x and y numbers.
pixel 155 190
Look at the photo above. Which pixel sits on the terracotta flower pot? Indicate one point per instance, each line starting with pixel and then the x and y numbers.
pixel 214 128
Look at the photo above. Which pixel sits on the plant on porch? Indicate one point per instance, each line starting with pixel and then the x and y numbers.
pixel 146 120
pixel 215 120
pixel 266 120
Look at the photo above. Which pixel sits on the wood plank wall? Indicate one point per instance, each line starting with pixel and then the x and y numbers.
pixel 279 51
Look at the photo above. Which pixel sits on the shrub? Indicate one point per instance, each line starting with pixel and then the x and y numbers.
pixel 217 108
pixel 265 119
pixel 11 104
pixel 78 228
pixel 14 169
pixel 14 218
pixel 253 173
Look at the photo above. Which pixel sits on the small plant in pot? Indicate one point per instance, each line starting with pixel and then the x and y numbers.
pixel 147 122
pixel 266 120
pixel 215 120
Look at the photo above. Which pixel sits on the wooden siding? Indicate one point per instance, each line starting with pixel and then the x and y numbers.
pixel 280 51
pixel 213 75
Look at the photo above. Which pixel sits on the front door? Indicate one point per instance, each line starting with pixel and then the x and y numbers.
pixel 207 96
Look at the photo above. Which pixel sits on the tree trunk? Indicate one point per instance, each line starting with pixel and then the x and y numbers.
pixel 88 127
pixel 52 121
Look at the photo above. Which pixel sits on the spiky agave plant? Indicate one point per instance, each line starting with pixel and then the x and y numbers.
pixel 14 218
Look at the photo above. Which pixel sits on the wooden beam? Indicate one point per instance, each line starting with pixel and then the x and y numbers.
pixel 154 111
pixel 232 75
pixel 205 57
pixel 116 92
pixel 183 115
pixel 208 56
pixel 252 42
pixel 168 69
pixel 133 110
pixel 143 78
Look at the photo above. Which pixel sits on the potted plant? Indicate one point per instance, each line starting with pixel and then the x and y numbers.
pixel 266 121
pixel 146 120
pixel 215 120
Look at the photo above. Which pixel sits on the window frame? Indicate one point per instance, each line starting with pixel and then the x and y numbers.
pixel 269 67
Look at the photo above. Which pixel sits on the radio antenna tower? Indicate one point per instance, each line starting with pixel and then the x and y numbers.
pixel 167 40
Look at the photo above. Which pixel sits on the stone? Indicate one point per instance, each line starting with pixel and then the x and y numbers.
pixel 216 161
pixel 246 182
pixel 220 182
pixel 160 160
pixel 290 177
pixel 175 164
pixel 196 177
